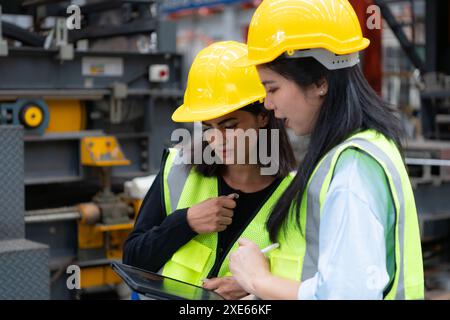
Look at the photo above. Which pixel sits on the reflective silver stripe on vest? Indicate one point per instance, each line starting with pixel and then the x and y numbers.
pixel 311 258
pixel 176 180
pixel 310 261
pixel 400 294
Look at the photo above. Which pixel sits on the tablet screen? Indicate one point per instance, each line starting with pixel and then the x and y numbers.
pixel 155 285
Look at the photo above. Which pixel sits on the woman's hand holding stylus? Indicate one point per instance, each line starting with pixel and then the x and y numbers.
pixel 248 265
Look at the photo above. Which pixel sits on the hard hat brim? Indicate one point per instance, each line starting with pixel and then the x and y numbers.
pixel 245 61
pixel 185 114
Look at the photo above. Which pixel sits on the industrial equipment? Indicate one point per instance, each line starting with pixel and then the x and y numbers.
pixel 94 104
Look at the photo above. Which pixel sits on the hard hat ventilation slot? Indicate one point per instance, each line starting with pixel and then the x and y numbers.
pixel 327 58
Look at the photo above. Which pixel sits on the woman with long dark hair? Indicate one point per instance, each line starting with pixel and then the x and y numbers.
pixel 347 225
pixel 194 212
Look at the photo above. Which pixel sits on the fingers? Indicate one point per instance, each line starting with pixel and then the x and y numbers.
pixel 224 293
pixel 226 202
pixel 221 228
pixel 225 220
pixel 228 288
pixel 233 196
pixel 212 284
pixel 226 213
pixel 223 286
pixel 244 242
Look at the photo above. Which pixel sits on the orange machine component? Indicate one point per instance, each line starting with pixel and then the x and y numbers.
pixel 98 276
pixel 66 116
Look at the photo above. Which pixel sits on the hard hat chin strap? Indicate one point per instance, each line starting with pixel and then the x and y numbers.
pixel 329 59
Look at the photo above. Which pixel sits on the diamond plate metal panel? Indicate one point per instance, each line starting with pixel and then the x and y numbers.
pixel 24 270
pixel 11 183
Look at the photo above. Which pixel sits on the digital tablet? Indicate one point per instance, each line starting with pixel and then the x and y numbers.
pixel 158 287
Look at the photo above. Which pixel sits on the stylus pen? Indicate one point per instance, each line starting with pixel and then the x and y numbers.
pixel 270 248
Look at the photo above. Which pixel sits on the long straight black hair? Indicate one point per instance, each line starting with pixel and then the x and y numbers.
pixel 350 106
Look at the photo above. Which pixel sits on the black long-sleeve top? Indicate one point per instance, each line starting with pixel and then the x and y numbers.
pixel 156 237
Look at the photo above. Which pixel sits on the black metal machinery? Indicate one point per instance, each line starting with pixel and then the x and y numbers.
pixel 78 99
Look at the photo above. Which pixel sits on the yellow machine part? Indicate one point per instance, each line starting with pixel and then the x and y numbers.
pixel 116 241
pixel 93 236
pixel 137 206
pixel 103 151
pixel 66 116
pixel 89 237
pixel 133 202
pixel 33 116
pixel 98 276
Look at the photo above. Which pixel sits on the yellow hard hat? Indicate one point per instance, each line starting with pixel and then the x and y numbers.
pixel 216 88
pixel 331 27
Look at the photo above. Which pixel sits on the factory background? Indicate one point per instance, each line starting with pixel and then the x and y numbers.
pixel 85 115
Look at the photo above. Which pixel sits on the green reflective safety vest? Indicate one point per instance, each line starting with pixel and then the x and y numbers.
pixel 298 254
pixel 184 187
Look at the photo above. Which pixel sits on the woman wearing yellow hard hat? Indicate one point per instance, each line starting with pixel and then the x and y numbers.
pixel 347 226
pixel 191 217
